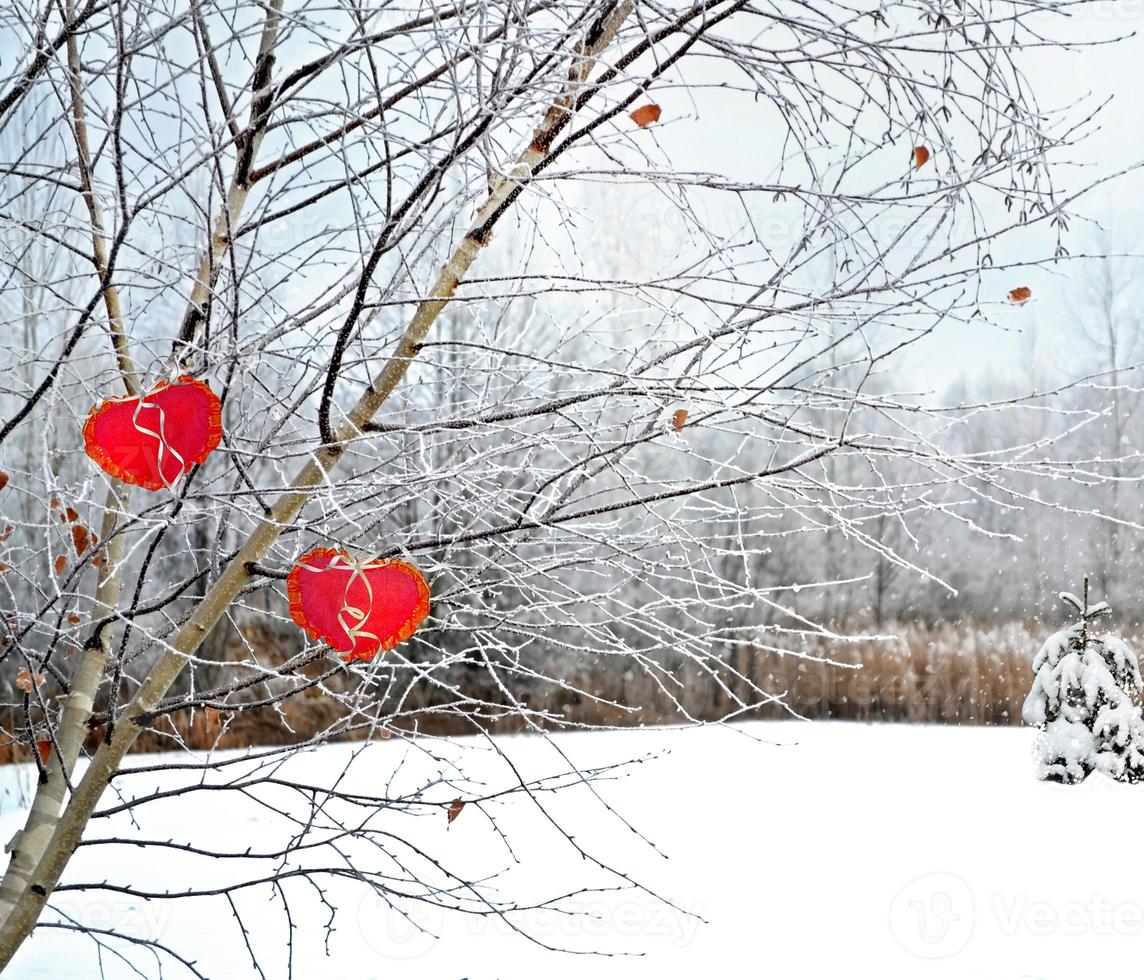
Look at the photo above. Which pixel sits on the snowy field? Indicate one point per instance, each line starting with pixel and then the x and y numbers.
pixel 811 850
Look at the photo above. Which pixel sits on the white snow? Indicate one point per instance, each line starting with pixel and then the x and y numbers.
pixel 811 850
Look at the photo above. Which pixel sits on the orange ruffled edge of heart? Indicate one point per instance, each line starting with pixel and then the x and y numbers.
pixel 108 465
pixel 403 632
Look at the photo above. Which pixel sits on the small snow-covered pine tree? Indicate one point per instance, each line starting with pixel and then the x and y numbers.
pixel 1086 700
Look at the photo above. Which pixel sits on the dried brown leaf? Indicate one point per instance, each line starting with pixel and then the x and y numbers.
pixel 27 682
pixel 645 115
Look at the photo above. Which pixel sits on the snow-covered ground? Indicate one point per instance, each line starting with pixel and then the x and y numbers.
pixel 810 850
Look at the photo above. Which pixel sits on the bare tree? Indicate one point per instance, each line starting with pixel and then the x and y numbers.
pixel 289 202
pixel 1112 334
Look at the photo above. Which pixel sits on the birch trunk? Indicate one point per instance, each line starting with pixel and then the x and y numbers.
pixel 21 917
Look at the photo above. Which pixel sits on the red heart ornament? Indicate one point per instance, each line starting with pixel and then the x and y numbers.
pixel 359 607
pixel 154 439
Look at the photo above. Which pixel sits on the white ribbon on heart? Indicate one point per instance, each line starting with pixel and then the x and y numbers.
pixel 351 618
pixel 160 436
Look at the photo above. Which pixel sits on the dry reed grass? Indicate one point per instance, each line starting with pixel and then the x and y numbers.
pixel 953 673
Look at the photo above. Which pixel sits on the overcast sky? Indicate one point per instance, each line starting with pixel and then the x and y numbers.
pixel 1089 74
pixel 1082 77
pixel 694 136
